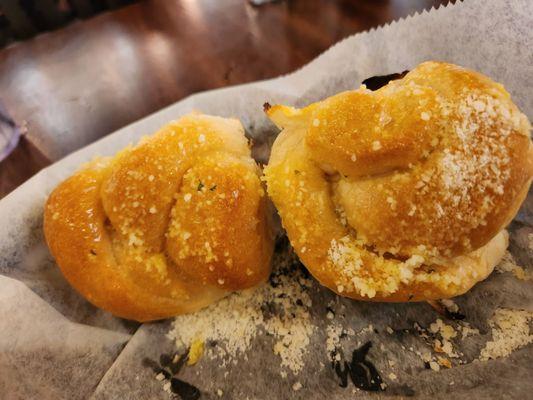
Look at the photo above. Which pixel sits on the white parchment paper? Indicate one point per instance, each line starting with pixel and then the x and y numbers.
pixel 54 344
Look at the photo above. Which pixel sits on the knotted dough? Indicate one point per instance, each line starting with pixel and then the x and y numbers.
pixel 402 193
pixel 165 227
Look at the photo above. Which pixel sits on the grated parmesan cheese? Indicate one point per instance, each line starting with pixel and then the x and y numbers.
pixel 508 264
pixel 510 331
pixel 236 320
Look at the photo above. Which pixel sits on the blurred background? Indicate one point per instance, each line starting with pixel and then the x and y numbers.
pixel 72 71
pixel 20 19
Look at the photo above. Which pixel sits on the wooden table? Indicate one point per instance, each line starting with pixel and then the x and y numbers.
pixel 74 85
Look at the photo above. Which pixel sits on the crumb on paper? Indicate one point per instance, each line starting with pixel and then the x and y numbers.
pixel 426 356
pixel 446 333
pixel 450 305
pixel 196 351
pixel 333 334
pixel 445 330
pixel 434 365
pixel 508 264
pixel 467 331
pixel 510 331
pixel 297 386
pixel 444 362
pixel 279 308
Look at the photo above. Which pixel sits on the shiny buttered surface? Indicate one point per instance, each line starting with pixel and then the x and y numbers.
pixel 402 194
pixel 165 227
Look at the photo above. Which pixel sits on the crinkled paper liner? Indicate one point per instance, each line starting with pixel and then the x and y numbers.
pixel 54 344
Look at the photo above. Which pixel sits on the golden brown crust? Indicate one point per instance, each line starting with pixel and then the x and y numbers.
pixel 402 193
pixel 166 227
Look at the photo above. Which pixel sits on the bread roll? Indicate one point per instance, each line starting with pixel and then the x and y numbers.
pixel 402 194
pixel 166 227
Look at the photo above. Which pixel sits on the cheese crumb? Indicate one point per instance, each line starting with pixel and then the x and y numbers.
pixel 238 318
pixel 434 366
pixel 333 338
pixel 508 264
pixel 510 331
pixel 195 352
pixel 376 145
pixel 297 386
pixel 450 305
pixel 444 362
pixel 447 331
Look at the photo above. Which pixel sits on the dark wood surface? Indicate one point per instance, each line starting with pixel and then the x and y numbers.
pixel 72 86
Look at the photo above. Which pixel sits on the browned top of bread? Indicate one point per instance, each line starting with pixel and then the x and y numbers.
pixel 167 226
pixel 431 166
